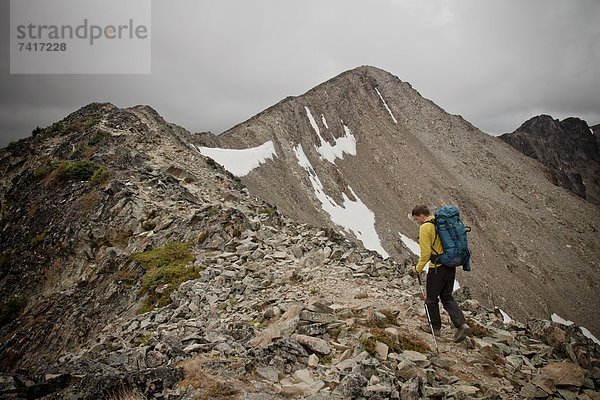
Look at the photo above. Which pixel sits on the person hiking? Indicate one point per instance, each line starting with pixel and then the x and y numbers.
pixel 440 278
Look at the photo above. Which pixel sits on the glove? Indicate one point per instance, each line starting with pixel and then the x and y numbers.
pixel 412 272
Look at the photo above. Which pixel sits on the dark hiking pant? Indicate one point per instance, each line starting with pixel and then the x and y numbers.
pixel 440 282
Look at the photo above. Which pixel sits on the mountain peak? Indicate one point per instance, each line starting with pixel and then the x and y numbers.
pixel 357 152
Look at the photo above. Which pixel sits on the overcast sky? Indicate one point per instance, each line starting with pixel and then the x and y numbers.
pixel 217 63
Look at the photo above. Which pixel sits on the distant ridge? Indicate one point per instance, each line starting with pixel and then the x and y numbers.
pixel 570 148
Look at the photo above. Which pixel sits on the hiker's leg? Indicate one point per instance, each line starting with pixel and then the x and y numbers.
pixel 435 284
pixel 450 305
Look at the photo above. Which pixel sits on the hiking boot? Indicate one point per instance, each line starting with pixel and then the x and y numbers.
pixel 461 333
pixel 427 328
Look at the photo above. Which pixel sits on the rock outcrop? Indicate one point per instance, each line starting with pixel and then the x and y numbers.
pixel 569 148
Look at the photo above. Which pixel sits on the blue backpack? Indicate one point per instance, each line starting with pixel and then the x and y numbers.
pixel 453 236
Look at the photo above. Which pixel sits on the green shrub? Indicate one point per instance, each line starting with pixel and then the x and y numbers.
pixel 88 123
pixel 57 127
pixel 44 170
pixel 74 171
pixel 73 126
pixel 98 137
pixel 100 175
pixel 166 267
pixel 64 170
pixel 82 170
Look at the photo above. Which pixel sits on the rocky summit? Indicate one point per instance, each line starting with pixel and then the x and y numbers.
pixel 569 148
pixel 134 267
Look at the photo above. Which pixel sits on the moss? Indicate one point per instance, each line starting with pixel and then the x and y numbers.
pixel 389 315
pixel 44 170
pixel 64 171
pixel 197 376
pixel 89 122
pixel 66 127
pixel 267 211
pixel 326 359
pixel 10 309
pixel 86 152
pixel 415 343
pixel 127 394
pixel 81 170
pixel 165 269
pixel 212 210
pixel 477 329
pixel 369 343
pixel 57 127
pixel 396 343
pixel 127 278
pixel 99 137
pixel 218 389
pixel 144 340
pixel 100 176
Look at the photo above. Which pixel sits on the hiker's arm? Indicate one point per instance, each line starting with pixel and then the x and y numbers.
pixel 425 241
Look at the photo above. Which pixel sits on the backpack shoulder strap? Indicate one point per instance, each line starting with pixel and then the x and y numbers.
pixel 435 225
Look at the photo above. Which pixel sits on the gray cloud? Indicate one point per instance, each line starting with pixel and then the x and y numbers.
pixel 215 64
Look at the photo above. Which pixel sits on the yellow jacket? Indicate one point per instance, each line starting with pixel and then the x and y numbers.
pixel 426 238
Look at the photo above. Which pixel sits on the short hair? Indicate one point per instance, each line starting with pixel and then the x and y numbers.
pixel 420 210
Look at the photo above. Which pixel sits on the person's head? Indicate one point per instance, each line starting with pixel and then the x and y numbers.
pixel 420 213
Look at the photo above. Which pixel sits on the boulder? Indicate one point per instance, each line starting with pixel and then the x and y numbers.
pixel 564 374
pixel 315 344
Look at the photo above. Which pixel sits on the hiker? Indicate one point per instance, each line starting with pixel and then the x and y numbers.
pixel 440 278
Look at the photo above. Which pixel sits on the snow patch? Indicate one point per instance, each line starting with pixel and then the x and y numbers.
pixel 324 121
pixel 411 244
pixel 240 161
pixel 505 318
pixel 353 216
pixel 558 319
pixel 345 144
pixel 456 286
pixel 386 106
pixel 588 334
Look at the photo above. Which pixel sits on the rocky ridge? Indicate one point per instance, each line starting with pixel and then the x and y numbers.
pixel 332 322
pixel 272 308
pixel 569 148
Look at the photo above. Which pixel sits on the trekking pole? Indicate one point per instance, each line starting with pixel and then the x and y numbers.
pixel 437 350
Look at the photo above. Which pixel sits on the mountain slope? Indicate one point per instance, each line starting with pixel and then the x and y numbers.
pixel 527 234
pixel 133 267
pixel 78 199
pixel 568 147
